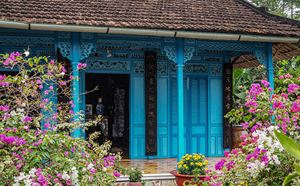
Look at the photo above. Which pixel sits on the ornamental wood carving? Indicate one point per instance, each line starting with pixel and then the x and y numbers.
pixel 151 103
pixel 227 103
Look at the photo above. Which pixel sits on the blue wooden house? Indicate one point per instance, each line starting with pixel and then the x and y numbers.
pixel 163 67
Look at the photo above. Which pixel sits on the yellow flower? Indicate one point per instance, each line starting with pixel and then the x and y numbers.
pixel 192 163
pixel 205 162
pixel 179 166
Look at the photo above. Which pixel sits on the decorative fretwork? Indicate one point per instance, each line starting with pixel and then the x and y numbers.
pixel 196 68
pixel 64 35
pixel 107 65
pixel 87 36
pixel 65 49
pixel 162 68
pixel 191 68
pixel 227 46
pixel 170 53
pixel 115 45
pixel 216 69
pixel 86 50
pixel 25 42
pixel 213 59
pixel 138 67
pixel 188 53
pixel 169 40
pixel 262 57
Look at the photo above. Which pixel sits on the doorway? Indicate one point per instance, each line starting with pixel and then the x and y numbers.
pixel 108 95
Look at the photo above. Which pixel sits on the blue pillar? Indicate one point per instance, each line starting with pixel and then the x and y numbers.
pixel 180 98
pixel 75 83
pixel 270 67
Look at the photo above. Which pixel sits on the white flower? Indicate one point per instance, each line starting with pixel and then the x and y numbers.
pixel 104 169
pixel 65 176
pixel 32 172
pixel 90 166
pixel 26 53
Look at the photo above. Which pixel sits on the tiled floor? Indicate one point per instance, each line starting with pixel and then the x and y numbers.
pixel 159 166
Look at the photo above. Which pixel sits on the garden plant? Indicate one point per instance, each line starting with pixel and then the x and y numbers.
pixel 262 160
pixel 36 123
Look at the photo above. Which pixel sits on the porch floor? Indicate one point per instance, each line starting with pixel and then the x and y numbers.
pixel 160 166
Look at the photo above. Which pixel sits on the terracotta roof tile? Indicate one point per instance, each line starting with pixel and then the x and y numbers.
pixel 193 15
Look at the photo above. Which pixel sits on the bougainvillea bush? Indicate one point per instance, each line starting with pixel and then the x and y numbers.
pixel 36 154
pixel 261 160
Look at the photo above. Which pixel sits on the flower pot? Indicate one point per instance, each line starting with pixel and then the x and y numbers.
pixel 181 178
pixel 237 132
pixel 135 184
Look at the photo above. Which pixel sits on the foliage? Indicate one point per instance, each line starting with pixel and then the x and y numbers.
pixel 192 164
pixel 286 8
pixel 242 81
pixel 32 154
pixel 261 159
pixel 293 149
pixel 135 175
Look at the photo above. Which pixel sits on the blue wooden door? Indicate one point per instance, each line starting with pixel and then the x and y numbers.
pixel 197 115
pixel 215 117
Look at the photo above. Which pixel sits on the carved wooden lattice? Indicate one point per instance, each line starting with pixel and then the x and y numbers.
pixel 151 103
pixel 227 100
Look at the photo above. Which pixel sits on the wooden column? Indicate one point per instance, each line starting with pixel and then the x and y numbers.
pixel 180 96
pixel 77 133
pixel 270 67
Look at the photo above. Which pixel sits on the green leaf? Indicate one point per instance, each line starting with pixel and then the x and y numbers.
pixel 297 168
pixel 289 145
pixel 289 178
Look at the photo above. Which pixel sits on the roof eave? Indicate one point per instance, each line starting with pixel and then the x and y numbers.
pixel 150 32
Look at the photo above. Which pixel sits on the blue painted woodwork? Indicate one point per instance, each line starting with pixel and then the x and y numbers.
pixel 75 83
pixel 180 93
pixel 189 107
pixel 269 66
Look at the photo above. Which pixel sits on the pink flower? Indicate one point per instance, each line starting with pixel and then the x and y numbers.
pixel 288 76
pixel 51 88
pixel 295 107
pixel 27 119
pixel 117 174
pixel 265 83
pixel 59 175
pixel 4 108
pixel 56 180
pixel 81 66
pixel 281 77
pixel 264 159
pixel 220 164
pixel 3 83
pixel 93 170
pixel 62 83
pixel 292 88
pixel 66 153
pixel 47 125
pixel 2 77
pixel 278 104
pixel 69 182
pixel 52 62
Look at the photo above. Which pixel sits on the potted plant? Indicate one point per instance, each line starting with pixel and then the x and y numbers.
pixel 135 177
pixel 236 117
pixel 190 169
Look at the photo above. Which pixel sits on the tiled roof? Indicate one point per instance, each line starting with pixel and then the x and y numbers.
pixel 227 16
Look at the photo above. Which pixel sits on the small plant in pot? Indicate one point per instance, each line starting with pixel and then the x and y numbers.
pixel 190 170
pixel 135 177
